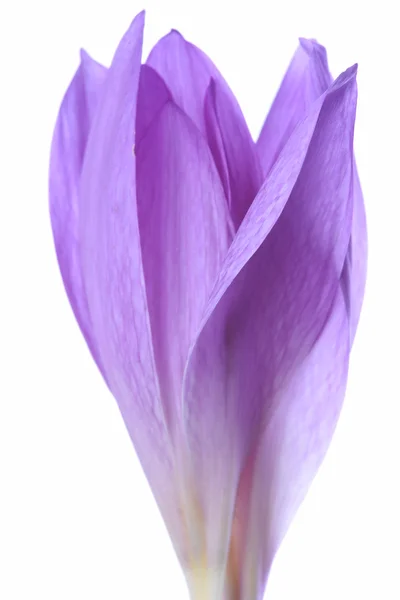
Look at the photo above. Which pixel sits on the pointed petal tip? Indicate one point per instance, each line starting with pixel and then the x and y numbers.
pixel 137 21
pixel 312 46
pixel 166 43
pixel 91 68
pixel 175 32
pixel 347 78
pixel 309 44
pixel 130 41
pixel 86 59
pixel 83 55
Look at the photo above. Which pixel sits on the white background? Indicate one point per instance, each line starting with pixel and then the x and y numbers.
pixel 77 519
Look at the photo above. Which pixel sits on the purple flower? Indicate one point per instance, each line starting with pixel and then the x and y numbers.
pixel 218 283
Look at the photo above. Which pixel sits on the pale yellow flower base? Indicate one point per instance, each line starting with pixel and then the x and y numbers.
pixel 205 583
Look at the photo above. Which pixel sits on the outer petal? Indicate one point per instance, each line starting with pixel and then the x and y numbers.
pixel 113 273
pixel 233 149
pixel 306 79
pixel 357 257
pixel 187 71
pixel 183 222
pixel 67 154
pixel 274 296
pixel 290 453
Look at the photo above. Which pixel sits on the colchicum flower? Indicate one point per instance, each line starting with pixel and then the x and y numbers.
pixel 218 284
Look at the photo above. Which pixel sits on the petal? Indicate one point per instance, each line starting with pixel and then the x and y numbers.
pixel 291 450
pixel 187 72
pixel 67 154
pixel 306 79
pixel 153 95
pixel 113 273
pixel 358 256
pixel 273 298
pixel 233 150
pixel 184 230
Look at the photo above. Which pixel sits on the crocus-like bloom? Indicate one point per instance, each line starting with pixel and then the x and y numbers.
pixel 218 283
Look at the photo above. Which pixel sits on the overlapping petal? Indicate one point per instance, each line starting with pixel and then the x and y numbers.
pixel 203 94
pixel 290 452
pixel 67 155
pixel 305 80
pixel 112 269
pixel 187 72
pixel 308 77
pixel 185 229
pixel 274 297
pixel 233 150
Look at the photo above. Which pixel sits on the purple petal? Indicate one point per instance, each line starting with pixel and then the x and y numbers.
pixel 306 79
pixel 113 273
pixel 273 298
pixel 187 72
pixel 233 149
pixel 184 230
pixel 67 154
pixel 152 97
pixel 357 256
pixel 291 450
